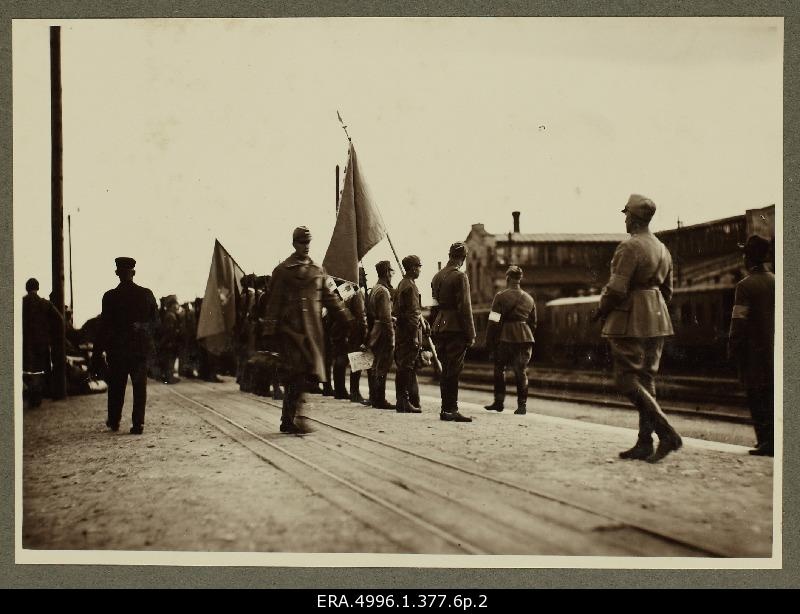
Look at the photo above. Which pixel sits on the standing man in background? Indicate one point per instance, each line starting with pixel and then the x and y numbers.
pixel 410 328
pixel 752 341
pixel 633 306
pixel 509 336
pixel 381 338
pixel 128 321
pixel 453 328
pixel 39 319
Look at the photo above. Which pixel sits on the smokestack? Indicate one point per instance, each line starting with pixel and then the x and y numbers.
pixel 516 221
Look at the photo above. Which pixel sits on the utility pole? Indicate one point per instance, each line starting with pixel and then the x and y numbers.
pixel 337 189
pixel 71 292
pixel 59 358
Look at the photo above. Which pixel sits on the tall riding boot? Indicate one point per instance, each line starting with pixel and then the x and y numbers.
pixel 370 387
pixel 355 393
pixel 339 369
pixel 522 395
pixel 499 389
pixel 668 438
pixel 413 390
pixel 401 391
pixel 288 409
pixel 380 393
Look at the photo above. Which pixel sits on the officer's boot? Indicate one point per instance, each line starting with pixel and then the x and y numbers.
pixel 401 391
pixel 288 410
pixel 644 442
pixel 355 393
pixel 668 438
pixel 339 369
pixel 411 407
pixel 413 391
pixel 370 388
pixel 522 397
pixel 380 401
pixel 499 383
pixel 452 414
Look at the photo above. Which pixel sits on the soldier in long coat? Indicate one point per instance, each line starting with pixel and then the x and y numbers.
pixel 453 328
pixel 633 306
pixel 752 341
pixel 410 329
pixel 381 338
pixel 293 315
pixel 509 336
pixel 39 319
pixel 127 325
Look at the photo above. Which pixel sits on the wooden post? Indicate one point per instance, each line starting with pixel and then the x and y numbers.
pixel 59 358
pixel 337 190
pixel 71 291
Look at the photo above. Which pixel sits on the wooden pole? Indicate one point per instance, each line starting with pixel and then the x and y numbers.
pixel 71 291
pixel 59 358
pixel 337 190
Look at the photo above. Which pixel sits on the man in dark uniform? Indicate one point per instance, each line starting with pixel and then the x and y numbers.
pixel 346 339
pixel 39 319
pixel 633 306
pixel 127 323
pixel 381 335
pixel 453 328
pixel 410 329
pixel 169 340
pixel 752 340
pixel 293 316
pixel 509 336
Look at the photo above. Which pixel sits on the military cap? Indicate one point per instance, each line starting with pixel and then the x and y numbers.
pixel 170 299
pixel 383 267
pixel 756 248
pixel 641 207
pixel 514 272
pixel 124 262
pixel 410 261
pixel 301 234
pixel 31 284
pixel 458 250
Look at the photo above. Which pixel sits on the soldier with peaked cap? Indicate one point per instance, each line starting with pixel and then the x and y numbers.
pixel 381 339
pixel 509 336
pixel 752 340
pixel 128 321
pixel 453 328
pixel 294 316
pixel 633 306
pixel 411 327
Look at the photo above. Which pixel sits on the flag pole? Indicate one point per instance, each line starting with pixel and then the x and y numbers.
pixel 229 255
pixel 377 208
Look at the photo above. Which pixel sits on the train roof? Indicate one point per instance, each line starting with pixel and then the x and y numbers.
pixel 593 298
pixel 573 300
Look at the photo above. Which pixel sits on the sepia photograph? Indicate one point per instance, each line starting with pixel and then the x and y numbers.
pixel 429 292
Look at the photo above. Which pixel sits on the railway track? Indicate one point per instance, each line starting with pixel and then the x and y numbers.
pixel 424 504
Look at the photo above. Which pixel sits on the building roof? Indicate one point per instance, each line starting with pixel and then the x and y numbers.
pixel 575 237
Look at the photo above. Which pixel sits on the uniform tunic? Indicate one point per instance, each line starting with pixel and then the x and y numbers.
pixel 408 311
pixel 453 328
pixel 381 336
pixel 39 318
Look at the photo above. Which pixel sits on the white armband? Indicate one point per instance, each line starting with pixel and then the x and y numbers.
pixel 494 316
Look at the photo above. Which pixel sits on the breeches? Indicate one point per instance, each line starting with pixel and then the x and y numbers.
pixel 636 362
pixel 515 356
pixel 406 353
pixel 451 348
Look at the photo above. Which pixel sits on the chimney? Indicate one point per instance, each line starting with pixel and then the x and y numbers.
pixel 516 221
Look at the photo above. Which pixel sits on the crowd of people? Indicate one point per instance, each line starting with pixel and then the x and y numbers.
pixel 299 328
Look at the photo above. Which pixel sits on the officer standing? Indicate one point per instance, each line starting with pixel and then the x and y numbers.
pixel 293 315
pixel 453 328
pixel 39 319
pixel 509 336
pixel 128 321
pixel 381 338
pixel 752 340
pixel 410 329
pixel 634 307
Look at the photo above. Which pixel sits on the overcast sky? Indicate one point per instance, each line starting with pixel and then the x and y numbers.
pixel 177 132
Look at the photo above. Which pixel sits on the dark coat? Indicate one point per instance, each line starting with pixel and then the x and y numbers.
pixel 128 321
pixel 40 319
pixel 451 298
pixel 752 332
pixel 381 336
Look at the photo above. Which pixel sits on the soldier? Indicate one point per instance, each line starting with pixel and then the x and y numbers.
pixel 345 339
pixel 188 354
pixel 293 315
pixel 269 376
pixel 169 339
pixel 509 336
pixel 752 340
pixel 381 334
pixel 244 341
pixel 39 319
pixel 410 329
pixel 633 306
pixel 127 323
pixel 453 328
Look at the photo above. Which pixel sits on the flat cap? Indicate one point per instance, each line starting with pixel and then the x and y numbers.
pixel 756 248
pixel 458 250
pixel 123 262
pixel 641 207
pixel 514 272
pixel 383 267
pixel 170 299
pixel 301 234
pixel 410 261
pixel 31 284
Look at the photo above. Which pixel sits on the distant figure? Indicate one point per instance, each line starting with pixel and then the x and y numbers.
pixel 752 340
pixel 411 327
pixel 169 341
pixel 633 306
pixel 509 337
pixel 128 322
pixel 381 338
pixel 293 315
pixel 40 319
pixel 346 339
pixel 453 328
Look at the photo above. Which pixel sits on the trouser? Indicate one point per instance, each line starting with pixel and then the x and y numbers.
pixel 451 348
pixel 339 375
pixel 636 363
pixel 119 368
pixel 293 394
pixel 516 356
pixel 760 400
pixel 166 362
